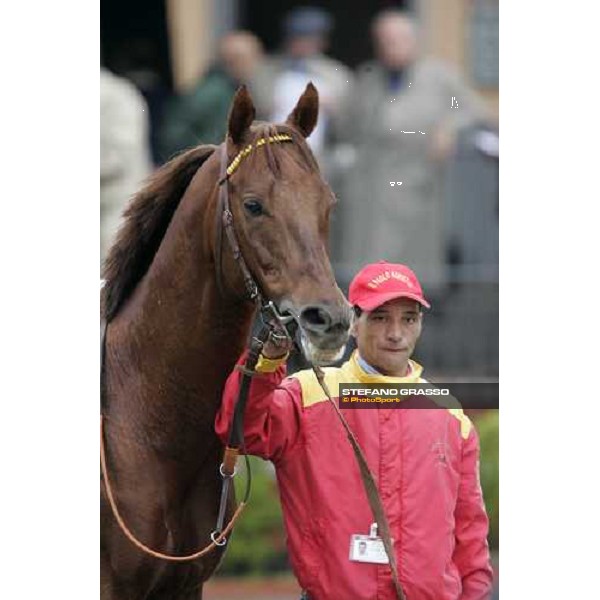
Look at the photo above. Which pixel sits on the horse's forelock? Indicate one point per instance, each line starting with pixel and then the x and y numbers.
pixel 264 130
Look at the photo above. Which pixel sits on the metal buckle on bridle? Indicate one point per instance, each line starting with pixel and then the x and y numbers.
pixel 278 323
pixel 214 535
pixel 225 475
pixel 251 288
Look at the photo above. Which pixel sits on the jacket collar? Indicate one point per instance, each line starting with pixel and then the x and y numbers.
pixel 360 374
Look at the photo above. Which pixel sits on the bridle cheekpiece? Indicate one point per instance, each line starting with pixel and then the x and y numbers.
pixel 225 216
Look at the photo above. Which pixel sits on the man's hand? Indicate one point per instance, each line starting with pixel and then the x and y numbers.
pixel 276 346
pixel 443 143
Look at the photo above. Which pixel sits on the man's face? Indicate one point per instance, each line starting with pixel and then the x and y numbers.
pixel 305 46
pixel 386 337
pixel 240 54
pixel 395 42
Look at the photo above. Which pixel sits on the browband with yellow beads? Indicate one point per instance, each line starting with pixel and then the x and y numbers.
pixel 235 163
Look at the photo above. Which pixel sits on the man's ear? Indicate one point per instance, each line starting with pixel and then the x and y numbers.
pixel 354 326
pixel 420 322
pixel 306 112
pixel 241 115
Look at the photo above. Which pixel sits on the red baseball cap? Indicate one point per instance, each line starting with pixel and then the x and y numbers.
pixel 380 282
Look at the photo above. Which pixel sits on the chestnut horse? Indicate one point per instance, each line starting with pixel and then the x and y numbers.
pixel 174 334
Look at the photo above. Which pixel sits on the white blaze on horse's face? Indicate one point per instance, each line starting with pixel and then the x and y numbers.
pixel 281 208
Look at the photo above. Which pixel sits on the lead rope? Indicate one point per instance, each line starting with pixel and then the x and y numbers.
pixel 370 486
pixel 227 470
pixel 217 541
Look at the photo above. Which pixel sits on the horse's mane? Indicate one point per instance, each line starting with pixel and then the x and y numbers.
pixel 145 222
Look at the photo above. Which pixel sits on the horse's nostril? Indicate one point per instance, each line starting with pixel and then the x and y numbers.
pixel 338 328
pixel 315 317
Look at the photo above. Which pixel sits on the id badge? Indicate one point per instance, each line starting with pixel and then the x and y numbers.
pixel 368 548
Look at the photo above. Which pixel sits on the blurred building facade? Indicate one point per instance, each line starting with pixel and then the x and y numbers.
pixel 183 34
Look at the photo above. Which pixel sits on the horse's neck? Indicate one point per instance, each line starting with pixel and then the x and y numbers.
pixel 177 338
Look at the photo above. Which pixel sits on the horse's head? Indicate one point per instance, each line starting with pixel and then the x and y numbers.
pixel 281 207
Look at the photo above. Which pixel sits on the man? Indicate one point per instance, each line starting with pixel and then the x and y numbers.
pixel 282 78
pixel 404 114
pixel 124 151
pixel 199 116
pixel 425 461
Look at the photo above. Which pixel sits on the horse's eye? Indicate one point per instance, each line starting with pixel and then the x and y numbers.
pixel 253 207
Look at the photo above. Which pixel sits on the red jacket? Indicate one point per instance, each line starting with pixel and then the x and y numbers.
pixel 425 462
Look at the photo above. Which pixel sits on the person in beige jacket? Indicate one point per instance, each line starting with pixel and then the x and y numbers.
pixel 404 113
pixel 124 150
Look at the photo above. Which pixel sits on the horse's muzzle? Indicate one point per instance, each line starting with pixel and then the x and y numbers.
pixel 324 329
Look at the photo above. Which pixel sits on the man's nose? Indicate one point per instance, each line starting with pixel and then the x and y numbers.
pixel 395 332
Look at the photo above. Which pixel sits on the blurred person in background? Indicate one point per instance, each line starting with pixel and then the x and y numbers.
pixel 138 61
pixel 200 115
pixel 401 125
pixel 282 78
pixel 124 150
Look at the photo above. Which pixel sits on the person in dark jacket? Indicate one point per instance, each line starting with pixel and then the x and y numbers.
pixel 199 116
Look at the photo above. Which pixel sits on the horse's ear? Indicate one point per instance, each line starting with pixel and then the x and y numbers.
pixel 305 114
pixel 241 115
